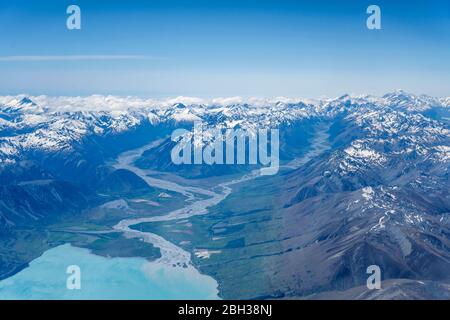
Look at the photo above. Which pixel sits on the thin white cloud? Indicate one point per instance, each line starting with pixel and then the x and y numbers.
pixel 78 58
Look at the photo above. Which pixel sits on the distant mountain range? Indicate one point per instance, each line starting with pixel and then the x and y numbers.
pixel 27 126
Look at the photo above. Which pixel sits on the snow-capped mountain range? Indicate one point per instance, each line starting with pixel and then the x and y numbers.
pixel 56 124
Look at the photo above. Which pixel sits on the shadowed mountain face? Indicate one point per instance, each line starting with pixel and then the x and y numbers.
pixel 122 181
pixel 33 202
pixel 378 194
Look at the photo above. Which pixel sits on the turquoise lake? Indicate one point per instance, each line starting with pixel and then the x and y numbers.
pixel 105 278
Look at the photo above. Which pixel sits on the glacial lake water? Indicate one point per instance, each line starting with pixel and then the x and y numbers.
pixel 105 278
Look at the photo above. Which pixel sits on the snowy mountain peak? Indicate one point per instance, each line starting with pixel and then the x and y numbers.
pixel 25 100
pixel 21 105
pixel 179 106
pixel 411 102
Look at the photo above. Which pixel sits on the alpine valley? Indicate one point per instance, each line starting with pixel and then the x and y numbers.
pixel 363 181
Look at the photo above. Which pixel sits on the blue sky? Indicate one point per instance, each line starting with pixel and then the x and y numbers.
pixel 211 48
